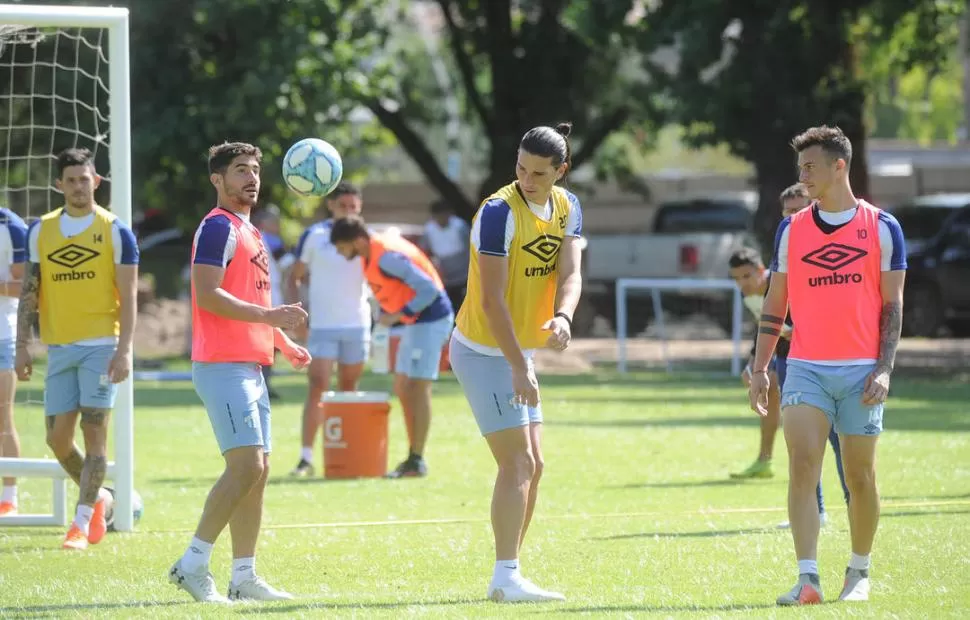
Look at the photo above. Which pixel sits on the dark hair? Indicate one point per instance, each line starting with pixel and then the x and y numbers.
pixel 73 157
pixel 344 188
pixel 831 139
pixel 745 256
pixel 794 191
pixel 348 228
pixel 545 141
pixel 221 155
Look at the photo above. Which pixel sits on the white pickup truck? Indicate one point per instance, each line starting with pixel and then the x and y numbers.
pixel 686 238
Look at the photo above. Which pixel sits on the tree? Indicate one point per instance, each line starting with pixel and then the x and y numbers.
pixel 520 64
pixel 754 74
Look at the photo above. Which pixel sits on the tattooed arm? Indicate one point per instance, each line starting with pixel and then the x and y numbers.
pixel 29 301
pixel 891 321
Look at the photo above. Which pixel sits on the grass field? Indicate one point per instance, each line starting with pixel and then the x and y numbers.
pixel 636 515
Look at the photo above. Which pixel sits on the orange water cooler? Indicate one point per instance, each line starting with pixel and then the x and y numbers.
pixel 355 434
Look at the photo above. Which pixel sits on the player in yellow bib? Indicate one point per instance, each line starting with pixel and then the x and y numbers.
pixel 524 284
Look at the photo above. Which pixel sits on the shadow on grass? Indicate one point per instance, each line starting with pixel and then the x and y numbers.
pixel 925 496
pixel 701 534
pixel 690 484
pixel 686 608
pixel 41 611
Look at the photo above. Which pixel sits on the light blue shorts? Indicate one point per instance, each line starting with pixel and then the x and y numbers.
pixel 487 383
pixel 8 354
pixel 419 351
pixel 346 345
pixel 235 396
pixel 837 391
pixel 77 376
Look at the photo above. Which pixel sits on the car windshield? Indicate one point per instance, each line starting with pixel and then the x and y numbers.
pixel 919 222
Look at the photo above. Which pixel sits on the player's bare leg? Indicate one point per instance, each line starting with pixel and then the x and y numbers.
pixel 318 377
pixel 91 505
pixel 244 528
pixel 535 436
pixel 348 376
pixel 512 450
pixel 9 440
pixel 806 433
pixel 415 397
pixel 859 461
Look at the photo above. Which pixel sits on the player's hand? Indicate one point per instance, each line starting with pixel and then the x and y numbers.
pixel 758 392
pixel 390 320
pixel 24 365
pixel 297 356
pixel 877 387
pixel 287 316
pixel 559 333
pixel 120 366
pixel 525 386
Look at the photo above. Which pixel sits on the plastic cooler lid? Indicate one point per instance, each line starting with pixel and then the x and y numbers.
pixel 355 397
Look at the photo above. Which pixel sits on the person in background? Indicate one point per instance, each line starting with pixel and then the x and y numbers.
pixel 446 242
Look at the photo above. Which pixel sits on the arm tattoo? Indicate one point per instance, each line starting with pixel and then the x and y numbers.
pixel 95 468
pixel 770 318
pixel 770 331
pixel 890 327
pixel 29 301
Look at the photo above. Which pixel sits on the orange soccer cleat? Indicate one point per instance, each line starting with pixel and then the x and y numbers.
pixel 75 539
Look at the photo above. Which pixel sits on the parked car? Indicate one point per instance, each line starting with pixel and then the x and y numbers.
pixel 937 292
pixel 687 238
pixel 924 216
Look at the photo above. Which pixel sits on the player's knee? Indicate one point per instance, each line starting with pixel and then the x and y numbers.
pixel 540 465
pixel 60 442
pixel 803 467
pixel 247 467
pixel 860 479
pixel 520 467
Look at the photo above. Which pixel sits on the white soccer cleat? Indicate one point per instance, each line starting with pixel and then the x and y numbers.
pixel 256 589
pixel 856 587
pixel 519 590
pixel 201 586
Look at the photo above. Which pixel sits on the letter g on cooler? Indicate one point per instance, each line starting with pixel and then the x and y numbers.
pixel 333 433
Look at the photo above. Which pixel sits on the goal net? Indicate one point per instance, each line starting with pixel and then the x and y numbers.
pixel 682 324
pixel 64 77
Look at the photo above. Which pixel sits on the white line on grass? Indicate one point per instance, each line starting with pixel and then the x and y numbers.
pixel 604 515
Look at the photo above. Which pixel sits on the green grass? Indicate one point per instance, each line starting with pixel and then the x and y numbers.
pixel 636 515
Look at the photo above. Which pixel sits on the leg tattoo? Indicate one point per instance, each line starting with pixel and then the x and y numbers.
pixel 92 478
pixel 73 464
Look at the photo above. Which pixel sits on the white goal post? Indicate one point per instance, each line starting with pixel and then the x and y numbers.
pixel 115 21
pixel 655 286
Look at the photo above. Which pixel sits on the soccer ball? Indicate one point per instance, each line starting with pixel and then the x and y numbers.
pixel 137 508
pixel 312 167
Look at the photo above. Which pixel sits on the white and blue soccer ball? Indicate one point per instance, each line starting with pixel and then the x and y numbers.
pixel 312 167
pixel 137 510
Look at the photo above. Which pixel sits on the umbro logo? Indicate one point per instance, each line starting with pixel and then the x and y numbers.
pixel 544 247
pixel 834 256
pixel 261 260
pixel 72 255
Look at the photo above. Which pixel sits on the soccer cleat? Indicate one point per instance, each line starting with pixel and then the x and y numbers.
pixel 856 586
pixel 303 469
pixel 98 525
pixel 75 539
pixel 758 469
pixel 808 591
pixel 822 520
pixel 411 467
pixel 8 509
pixel 201 586
pixel 520 590
pixel 256 589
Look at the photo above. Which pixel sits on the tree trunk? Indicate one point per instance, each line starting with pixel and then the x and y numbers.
pixel 775 171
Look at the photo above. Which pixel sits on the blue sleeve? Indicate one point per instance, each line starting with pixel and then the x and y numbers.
pixel 211 241
pixel 129 246
pixel 574 226
pixel 397 265
pixel 18 236
pixel 897 262
pixel 779 235
pixel 492 223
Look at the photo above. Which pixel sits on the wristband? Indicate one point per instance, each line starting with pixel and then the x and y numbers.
pixel 563 315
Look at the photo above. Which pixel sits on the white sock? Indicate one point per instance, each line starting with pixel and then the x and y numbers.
pixel 859 562
pixel 243 569
pixel 196 558
pixel 505 570
pixel 82 518
pixel 306 454
pixel 808 567
pixel 9 494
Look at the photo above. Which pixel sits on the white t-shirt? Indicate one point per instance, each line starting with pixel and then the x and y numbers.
pixel 338 290
pixel 124 247
pixel 447 241
pixel 13 249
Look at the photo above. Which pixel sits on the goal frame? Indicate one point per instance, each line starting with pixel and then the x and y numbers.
pixel 655 286
pixel 115 21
